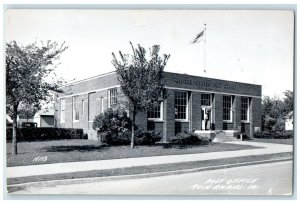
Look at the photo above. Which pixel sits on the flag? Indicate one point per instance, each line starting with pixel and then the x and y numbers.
pixel 198 36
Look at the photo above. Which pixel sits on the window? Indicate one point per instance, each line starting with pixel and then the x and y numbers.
pixel 227 108
pixel 181 105
pixel 62 110
pixel 75 108
pixel 82 106
pixel 112 96
pixel 205 99
pixel 245 109
pixel 156 112
pixel 102 105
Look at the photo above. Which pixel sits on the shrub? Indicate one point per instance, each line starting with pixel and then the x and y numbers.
pixel 115 138
pixel 245 137
pixel 274 134
pixel 189 138
pixel 41 134
pixel 124 138
pixel 146 138
pixel 85 136
pixel 113 127
pixel 285 134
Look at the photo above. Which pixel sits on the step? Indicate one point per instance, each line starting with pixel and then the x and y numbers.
pixel 216 139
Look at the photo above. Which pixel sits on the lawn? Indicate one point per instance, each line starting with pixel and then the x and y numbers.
pixel 87 150
pixel 289 141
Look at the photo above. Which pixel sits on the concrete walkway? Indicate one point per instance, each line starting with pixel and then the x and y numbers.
pixel 56 168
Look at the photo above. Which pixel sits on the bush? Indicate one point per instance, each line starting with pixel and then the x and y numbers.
pixel 113 127
pixel 274 134
pixel 285 134
pixel 41 134
pixel 115 138
pixel 85 136
pixel 245 137
pixel 189 138
pixel 146 138
pixel 141 138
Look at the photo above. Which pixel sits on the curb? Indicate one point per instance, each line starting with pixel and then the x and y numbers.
pixel 23 186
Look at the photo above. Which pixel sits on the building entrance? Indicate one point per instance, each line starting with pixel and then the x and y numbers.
pixel 205 118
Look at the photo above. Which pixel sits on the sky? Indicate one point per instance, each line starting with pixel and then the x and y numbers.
pixel 244 46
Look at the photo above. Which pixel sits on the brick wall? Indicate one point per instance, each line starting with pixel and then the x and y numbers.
pixel 213 111
pixel 255 114
pixel 181 127
pixel 169 115
pixel 156 126
pixel 236 112
pixel 227 126
pixel 69 113
pixel 92 93
pixel 210 84
pixel 195 111
pixel 218 106
pixel 246 128
pixel 89 85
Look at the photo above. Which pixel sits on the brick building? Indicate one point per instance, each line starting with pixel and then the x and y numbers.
pixel 204 105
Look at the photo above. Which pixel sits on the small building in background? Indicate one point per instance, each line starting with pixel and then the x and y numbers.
pixel 22 122
pixel 44 118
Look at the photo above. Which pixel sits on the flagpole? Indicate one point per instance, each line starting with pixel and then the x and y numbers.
pixel 199 38
pixel 204 54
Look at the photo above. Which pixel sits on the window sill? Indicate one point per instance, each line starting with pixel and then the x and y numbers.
pixel 181 120
pixel 75 121
pixel 227 121
pixel 244 121
pixel 156 120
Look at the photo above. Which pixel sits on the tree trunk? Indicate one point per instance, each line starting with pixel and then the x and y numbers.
pixel 15 127
pixel 132 131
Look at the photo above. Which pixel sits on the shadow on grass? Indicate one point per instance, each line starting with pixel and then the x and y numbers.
pixel 78 148
pixel 184 146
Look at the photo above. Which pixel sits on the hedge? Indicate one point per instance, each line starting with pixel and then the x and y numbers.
pixel 274 134
pixel 189 138
pixel 124 138
pixel 41 134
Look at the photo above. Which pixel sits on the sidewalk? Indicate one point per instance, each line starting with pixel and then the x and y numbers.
pixel 56 168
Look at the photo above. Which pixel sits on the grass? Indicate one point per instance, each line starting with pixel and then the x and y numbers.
pixel 289 141
pixel 60 151
pixel 149 169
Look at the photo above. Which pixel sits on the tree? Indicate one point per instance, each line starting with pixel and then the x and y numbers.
pixel 288 103
pixel 276 110
pixel 141 79
pixel 27 111
pixel 113 126
pixel 28 77
pixel 273 115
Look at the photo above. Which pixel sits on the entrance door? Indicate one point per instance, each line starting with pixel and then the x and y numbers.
pixel 205 118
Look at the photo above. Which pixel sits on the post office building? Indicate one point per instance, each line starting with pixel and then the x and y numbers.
pixel 207 106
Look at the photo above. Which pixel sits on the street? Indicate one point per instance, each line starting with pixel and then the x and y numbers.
pixel 262 179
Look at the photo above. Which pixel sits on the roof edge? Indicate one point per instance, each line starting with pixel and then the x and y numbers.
pixel 212 78
pixel 112 72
